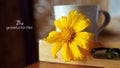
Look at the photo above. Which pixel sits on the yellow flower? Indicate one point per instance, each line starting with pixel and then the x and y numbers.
pixel 72 38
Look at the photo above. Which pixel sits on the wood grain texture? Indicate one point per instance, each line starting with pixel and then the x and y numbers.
pixel 57 65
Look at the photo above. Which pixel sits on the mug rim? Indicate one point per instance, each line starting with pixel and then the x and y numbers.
pixel 76 6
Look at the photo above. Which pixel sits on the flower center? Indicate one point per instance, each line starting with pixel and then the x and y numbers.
pixel 67 34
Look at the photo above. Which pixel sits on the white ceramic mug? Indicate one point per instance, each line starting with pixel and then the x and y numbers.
pixel 91 11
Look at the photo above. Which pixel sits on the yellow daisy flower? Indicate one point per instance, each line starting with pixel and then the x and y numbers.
pixel 75 43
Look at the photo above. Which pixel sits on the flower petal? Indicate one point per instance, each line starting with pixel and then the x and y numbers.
pixel 72 13
pixel 56 48
pixel 61 23
pixel 53 37
pixel 82 24
pixel 84 39
pixel 66 54
pixel 76 18
pixel 71 16
pixel 58 24
pixel 75 51
pixel 85 35
pixel 64 22
pixel 84 51
pixel 82 43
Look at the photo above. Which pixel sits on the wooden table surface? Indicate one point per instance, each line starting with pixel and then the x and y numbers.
pixel 102 37
pixel 56 65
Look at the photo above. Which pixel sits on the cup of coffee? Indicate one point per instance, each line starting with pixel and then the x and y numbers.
pixel 91 11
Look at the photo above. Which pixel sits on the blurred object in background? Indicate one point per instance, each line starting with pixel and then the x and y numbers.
pixel 63 2
pixel 43 17
pixel 112 31
pixel 114 10
pixel 104 4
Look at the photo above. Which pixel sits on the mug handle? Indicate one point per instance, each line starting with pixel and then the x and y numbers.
pixel 106 21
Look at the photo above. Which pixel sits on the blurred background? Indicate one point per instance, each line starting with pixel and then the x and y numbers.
pixel 19 46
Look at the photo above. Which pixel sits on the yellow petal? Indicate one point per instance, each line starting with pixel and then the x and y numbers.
pixel 61 23
pixel 72 17
pixel 58 24
pixel 76 18
pixel 84 39
pixel 82 43
pixel 72 14
pixel 82 24
pixel 84 51
pixel 56 48
pixel 64 22
pixel 75 51
pixel 85 35
pixel 66 55
pixel 52 37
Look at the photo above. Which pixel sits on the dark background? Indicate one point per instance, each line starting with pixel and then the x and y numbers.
pixel 18 48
